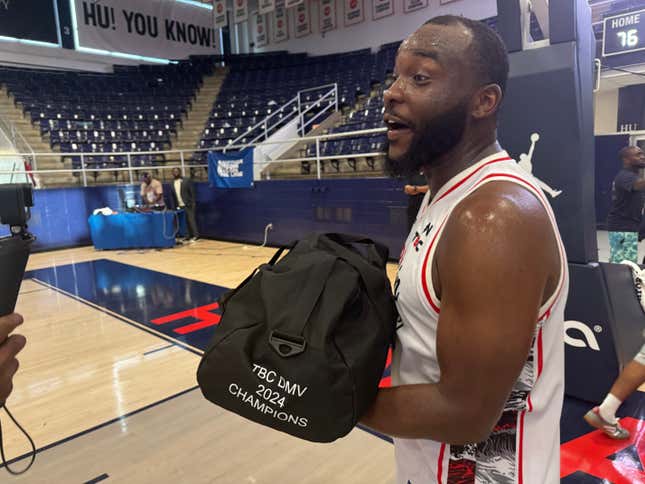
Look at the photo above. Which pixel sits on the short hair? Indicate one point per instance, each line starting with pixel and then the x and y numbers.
pixel 489 55
pixel 145 174
pixel 625 152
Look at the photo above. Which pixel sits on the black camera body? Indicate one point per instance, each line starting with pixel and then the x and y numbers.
pixel 15 203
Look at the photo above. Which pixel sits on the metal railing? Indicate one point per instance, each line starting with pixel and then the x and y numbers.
pixel 16 138
pixel 183 165
pixel 264 127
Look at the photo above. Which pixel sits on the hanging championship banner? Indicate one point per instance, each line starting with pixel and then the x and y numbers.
pixel 240 11
pixel 303 19
pixel 292 3
pixel 280 26
pixel 261 37
pixel 353 12
pixel 266 6
pixel 412 5
pixel 327 15
pixel 382 8
pixel 219 13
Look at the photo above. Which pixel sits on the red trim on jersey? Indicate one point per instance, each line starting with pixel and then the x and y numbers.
pixel 563 262
pixel 530 404
pixel 461 182
pixel 424 281
pixel 440 464
pixel 540 361
pixel 520 463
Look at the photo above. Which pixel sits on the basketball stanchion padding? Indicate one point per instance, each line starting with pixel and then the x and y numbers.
pixel 303 341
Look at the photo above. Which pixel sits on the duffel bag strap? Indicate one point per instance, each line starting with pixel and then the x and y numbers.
pixel 288 340
pixel 345 240
pixel 228 295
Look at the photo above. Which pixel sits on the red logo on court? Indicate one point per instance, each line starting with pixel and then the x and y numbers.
pixel 240 3
pixel 327 11
pixel 353 4
pixel 301 18
pixel 279 24
pixel 386 381
pixel 205 318
pixel 615 461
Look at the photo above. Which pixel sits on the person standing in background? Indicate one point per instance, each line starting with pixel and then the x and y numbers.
pixel 416 189
pixel 627 197
pixel 151 191
pixel 183 196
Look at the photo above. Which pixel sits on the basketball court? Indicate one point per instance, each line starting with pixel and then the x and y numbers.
pixel 107 385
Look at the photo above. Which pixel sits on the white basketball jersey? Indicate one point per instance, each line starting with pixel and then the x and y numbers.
pixel 524 447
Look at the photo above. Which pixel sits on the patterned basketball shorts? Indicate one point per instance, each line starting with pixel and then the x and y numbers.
pixel 623 246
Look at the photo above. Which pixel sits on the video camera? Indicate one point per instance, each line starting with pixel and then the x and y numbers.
pixel 15 203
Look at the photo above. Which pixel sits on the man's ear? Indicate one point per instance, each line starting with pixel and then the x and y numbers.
pixel 486 101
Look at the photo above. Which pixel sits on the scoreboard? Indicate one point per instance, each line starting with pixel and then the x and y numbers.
pixel 35 20
pixel 624 33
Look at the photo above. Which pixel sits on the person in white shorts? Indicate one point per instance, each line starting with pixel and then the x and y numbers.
pixel 478 361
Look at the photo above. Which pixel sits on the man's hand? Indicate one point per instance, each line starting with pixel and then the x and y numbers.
pixel 410 190
pixel 10 346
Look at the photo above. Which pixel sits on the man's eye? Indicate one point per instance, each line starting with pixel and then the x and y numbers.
pixel 420 78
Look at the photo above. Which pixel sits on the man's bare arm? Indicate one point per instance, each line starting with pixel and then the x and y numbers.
pixel 496 263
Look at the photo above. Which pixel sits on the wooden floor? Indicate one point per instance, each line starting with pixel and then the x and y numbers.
pixel 84 369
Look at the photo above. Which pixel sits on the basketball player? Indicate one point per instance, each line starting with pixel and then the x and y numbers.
pixel 10 346
pixel 478 363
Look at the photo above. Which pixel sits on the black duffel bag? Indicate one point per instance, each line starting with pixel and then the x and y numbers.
pixel 302 343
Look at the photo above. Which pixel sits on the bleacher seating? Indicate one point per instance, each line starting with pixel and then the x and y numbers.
pixel 134 109
pixel 259 85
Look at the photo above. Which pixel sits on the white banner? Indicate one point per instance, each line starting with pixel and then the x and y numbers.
pixel 219 13
pixel 240 11
pixel 292 3
pixel 153 28
pixel 327 15
pixel 412 5
pixel 353 12
pixel 266 6
pixel 303 19
pixel 280 25
pixel 261 36
pixel 382 8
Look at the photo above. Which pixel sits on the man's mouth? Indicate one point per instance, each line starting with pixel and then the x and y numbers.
pixel 396 127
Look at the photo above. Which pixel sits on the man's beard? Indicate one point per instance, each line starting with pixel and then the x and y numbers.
pixel 432 139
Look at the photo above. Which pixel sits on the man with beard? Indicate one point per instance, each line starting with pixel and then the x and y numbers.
pixel 478 364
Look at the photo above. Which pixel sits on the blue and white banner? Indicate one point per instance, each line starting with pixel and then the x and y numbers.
pixel 231 170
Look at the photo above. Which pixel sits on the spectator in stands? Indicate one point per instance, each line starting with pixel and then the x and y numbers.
pixel 183 196
pixel 626 211
pixel 151 191
pixel 416 189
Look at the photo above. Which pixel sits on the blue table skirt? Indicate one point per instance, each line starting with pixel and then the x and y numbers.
pixel 136 230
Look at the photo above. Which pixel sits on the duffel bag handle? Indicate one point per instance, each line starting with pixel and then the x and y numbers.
pixel 224 299
pixel 348 239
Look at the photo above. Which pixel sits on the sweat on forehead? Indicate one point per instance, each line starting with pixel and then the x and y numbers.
pixel 439 37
